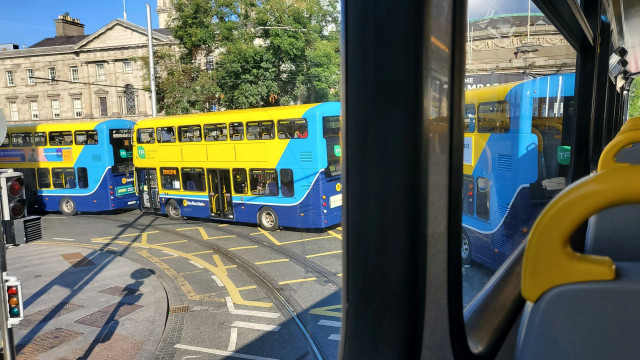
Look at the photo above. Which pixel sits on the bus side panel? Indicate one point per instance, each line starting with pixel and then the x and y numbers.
pixel 124 194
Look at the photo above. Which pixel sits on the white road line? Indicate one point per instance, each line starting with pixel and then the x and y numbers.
pixel 233 339
pixel 196 264
pixel 233 311
pixel 64 239
pixel 169 252
pixel 217 280
pixel 330 323
pixel 255 326
pixel 54 217
pixel 222 352
pixel 334 337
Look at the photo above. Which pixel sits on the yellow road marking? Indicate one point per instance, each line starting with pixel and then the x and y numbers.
pixel 191 272
pixel 339 228
pixel 271 261
pixel 295 281
pixel 231 266
pixel 219 264
pixel 258 233
pixel 125 235
pixel 322 254
pixel 204 233
pixel 201 252
pixel 334 234
pixel 327 311
pixel 243 247
pixel 221 225
pixel 269 237
pixel 184 284
pixel 167 257
pixel 247 287
pixel 74 244
pixel 171 242
pixel 339 275
pixel 308 239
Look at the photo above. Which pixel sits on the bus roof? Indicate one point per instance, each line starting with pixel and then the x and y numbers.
pixel 62 125
pixel 489 93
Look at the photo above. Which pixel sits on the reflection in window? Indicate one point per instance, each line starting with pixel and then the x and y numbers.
pixel 44 178
pixel 482 198
pixel 467 194
pixel 469 117
pixel 83 178
pixel 239 181
pixel 493 117
pixel 286 182
pixel 166 134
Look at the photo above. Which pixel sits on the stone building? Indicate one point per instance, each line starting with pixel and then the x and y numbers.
pixel 74 76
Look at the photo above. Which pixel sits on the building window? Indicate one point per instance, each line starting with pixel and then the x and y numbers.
pixel 99 71
pixel 55 108
pixel 103 105
pixel 77 108
pixel 75 75
pixel 126 66
pixel 130 100
pixel 10 78
pixel 34 110
pixel 30 77
pixel 52 75
pixel 13 108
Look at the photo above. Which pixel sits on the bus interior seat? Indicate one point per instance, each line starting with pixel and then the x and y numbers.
pixel 191 186
pixel 281 135
pixel 251 136
pixel 266 136
pixel 613 232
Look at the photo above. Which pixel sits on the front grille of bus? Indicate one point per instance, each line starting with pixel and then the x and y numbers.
pixel 505 162
pixel 306 157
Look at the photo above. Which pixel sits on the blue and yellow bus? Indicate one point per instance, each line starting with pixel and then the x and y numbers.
pixel 73 166
pixel 277 166
pixel 514 161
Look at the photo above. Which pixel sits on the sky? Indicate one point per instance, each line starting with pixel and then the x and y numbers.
pixel 30 21
pixel 485 8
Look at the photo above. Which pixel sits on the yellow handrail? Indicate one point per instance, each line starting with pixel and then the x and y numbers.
pixel 540 143
pixel 549 260
pixel 547 124
pixel 607 158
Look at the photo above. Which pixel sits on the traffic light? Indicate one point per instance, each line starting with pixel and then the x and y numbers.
pixel 13 288
pixel 14 200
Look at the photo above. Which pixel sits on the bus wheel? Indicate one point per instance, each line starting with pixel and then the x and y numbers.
pixel 173 210
pixel 466 249
pixel 68 207
pixel 268 219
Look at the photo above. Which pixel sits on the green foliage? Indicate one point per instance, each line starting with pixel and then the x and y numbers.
pixel 634 99
pixel 267 53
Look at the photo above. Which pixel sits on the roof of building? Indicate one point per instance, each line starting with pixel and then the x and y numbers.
pixel 164 31
pixel 59 41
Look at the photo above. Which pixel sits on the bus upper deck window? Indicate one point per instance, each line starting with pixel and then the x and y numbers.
pixel 236 131
pixel 215 132
pixel 146 136
pixel 5 143
pixel 469 117
pixel 22 139
pixel 190 133
pixel 58 138
pixel 166 134
pixel 86 137
pixel 40 139
pixel 292 129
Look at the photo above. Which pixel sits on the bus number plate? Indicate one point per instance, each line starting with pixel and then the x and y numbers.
pixel 335 200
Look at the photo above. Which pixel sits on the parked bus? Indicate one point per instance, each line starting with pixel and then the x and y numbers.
pixel 73 166
pixel 277 166
pixel 514 162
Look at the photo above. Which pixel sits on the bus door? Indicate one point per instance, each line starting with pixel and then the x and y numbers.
pixel 148 189
pixel 219 185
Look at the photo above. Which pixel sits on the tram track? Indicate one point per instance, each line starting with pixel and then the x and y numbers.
pixel 269 285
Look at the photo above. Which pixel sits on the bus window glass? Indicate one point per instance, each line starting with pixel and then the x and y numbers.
pixel 469 117
pixel 493 117
pixel 215 132
pixel 121 141
pixel 263 182
pixel 260 130
pixel 190 133
pixel 60 138
pixel 193 179
pixel 292 129
pixel 5 143
pixel 468 190
pixel 86 137
pixel 286 182
pixel 170 178
pixel 240 181
pixel 166 134
pixel 146 136
pixel 331 134
pixel 22 139
pixel 63 178
pixel 40 139
pixel 44 178
pixel 482 198
pixel 236 131
pixel 83 178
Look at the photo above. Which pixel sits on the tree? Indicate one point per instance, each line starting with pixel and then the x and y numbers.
pixel 634 99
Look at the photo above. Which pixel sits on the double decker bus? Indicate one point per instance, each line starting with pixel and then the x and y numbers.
pixel 277 166
pixel 73 167
pixel 515 160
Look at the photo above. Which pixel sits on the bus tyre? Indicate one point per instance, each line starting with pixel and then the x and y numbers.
pixel 466 249
pixel 267 219
pixel 68 207
pixel 173 210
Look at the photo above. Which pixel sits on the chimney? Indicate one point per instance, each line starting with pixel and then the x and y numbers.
pixel 68 26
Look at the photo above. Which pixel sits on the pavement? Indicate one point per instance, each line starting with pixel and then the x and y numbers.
pixel 82 303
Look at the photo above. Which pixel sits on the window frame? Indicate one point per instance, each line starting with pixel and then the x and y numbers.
pixel 262 187
pixel 51 72
pixel 174 181
pixel 30 77
pixel 188 129
pixel 290 186
pixel 77 111
pixel 236 126
pixel 33 109
pixel 293 123
pixel 152 137
pixel 10 78
pixel 240 179
pixel 63 134
pixel 39 177
pixel 54 114
pixel 39 134
pixel 193 170
pixel 73 78
pixel 159 138
pixel 262 126
pixel 13 110
pixel 101 72
pixel 124 67
pixel 82 176
pixel 216 127
pixel 22 135
pixel 65 180
pixel 87 133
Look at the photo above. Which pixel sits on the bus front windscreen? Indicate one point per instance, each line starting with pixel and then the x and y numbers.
pixel 121 141
pixel 331 133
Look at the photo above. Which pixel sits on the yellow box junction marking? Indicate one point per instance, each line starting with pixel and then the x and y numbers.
pixel 247 287
pixel 323 254
pixel 220 270
pixel 204 233
pixel 106 238
pixel 296 281
pixel 201 252
pixel 326 311
pixel 271 261
pixel 243 247
pixel 171 242
pixel 334 234
pixel 97 247
pixel 275 241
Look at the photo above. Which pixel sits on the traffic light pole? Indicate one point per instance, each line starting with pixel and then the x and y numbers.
pixel 7 333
